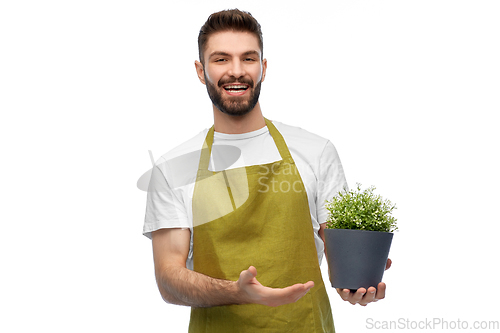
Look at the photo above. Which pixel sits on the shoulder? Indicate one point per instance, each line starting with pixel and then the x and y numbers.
pixel 302 140
pixel 191 145
pixel 311 151
pixel 179 164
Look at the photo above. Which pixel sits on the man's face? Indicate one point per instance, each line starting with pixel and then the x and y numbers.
pixel 233 71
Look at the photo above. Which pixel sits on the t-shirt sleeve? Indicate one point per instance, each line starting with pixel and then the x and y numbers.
pixel 164 206
pixel 331 179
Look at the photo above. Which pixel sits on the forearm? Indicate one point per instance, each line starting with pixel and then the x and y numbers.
pixel 182 286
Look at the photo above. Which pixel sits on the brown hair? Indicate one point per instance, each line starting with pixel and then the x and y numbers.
pixel 231 19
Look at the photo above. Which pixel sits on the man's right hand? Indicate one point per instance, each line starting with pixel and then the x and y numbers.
pixel 179 285
pixel 254 292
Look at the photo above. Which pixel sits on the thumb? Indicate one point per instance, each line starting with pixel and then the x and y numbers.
pixel 248 274
pixel 388 264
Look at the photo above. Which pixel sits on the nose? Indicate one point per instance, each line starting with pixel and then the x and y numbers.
pixel 237 69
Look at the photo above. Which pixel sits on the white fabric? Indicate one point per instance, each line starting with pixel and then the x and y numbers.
pixel 170 193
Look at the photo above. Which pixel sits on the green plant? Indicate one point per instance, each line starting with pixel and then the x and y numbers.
pixel 360 210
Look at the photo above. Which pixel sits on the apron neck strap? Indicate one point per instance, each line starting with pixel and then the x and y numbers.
pixel 279 141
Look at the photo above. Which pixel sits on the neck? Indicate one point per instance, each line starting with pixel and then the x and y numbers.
pixel 252 121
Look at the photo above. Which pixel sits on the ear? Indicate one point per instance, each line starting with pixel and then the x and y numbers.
pixel 264 68
pixel 200 71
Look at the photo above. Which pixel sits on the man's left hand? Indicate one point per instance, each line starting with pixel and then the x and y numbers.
pixel 363 296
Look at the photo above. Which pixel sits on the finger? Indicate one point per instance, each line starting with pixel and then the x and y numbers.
pixel 388 264
pixel 309 285
pixel 344 293
pixel 369 296
pixel 248 274
pixel 291 294
pixel 357 296
pixel 380 291
pixel 298 289
pixel 253 271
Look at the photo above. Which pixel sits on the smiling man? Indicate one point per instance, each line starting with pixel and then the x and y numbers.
pixel 225 79
pixel 232 68
pixel 263 213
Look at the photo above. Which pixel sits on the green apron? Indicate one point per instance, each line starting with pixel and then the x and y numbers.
pixel 257 216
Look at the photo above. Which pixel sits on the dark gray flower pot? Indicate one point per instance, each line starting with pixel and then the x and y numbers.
pixel 356 258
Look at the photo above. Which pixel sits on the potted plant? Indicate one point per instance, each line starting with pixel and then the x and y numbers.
pixel 358 236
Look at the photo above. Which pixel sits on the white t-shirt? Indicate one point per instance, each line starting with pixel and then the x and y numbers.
pixel 170 193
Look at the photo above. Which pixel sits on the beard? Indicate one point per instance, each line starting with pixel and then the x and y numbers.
pixel 233 106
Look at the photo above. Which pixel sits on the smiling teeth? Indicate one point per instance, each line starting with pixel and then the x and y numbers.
pixel 235 87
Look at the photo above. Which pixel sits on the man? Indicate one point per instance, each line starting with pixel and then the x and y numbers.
pixel 214 223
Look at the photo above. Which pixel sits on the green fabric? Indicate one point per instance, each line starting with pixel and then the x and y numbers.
pixel 257 215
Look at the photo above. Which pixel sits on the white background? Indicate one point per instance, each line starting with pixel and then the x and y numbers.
pixel 407 91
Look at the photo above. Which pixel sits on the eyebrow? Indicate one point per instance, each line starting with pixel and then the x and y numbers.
pixel 225 54
pixel 251 53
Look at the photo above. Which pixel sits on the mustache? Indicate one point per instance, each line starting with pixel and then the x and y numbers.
pixel 234 80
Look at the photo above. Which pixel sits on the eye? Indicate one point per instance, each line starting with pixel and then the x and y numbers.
pixel 219 60
pixel 249 59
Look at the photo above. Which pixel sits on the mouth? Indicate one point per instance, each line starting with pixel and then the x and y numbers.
pixel 236 89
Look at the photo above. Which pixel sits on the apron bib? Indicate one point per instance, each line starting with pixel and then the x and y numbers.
pixel 257 215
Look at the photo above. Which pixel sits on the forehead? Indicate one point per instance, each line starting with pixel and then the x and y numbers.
pixel 232 42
